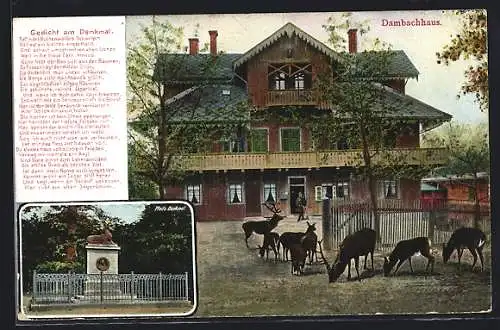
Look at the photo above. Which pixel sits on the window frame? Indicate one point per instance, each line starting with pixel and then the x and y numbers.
pixel 384 184
pixel 281 138
pixel 187 192
pixel 266 129
pixel 273 186
pixel 229 191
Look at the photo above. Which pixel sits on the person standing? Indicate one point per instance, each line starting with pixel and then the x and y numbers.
pixel 301 205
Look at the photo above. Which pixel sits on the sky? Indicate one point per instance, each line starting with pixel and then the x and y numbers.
pixel 437 84
pixel 126 211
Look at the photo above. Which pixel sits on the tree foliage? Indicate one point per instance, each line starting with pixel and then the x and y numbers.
pixel 157 98
pixel 467 146
pixel 48 233
pixel 470 43
pixel 363 110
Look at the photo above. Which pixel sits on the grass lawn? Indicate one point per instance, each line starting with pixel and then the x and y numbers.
pixel 235 281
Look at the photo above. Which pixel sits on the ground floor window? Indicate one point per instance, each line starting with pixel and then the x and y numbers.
pixel 389 189
pixel 193 193
pixel 270 193
pixel 235 193
pixel 339 190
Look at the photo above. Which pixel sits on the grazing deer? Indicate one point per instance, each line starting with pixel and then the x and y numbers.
pixel 298 256
pixel 271 241
pixel 263 226
pixel 360 243
pixel 404 250
pixel 462 238
pixel 309 241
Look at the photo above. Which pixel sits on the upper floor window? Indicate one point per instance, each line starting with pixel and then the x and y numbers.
pixel 284 76
pixel 290 139
pixel 259 138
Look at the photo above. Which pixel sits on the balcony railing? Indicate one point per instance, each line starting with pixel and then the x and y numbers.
pixel 290 97
pixel 310 159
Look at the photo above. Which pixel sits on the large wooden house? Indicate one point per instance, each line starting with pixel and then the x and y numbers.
pixel 273 160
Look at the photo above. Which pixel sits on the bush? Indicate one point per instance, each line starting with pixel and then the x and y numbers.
pixel 60 267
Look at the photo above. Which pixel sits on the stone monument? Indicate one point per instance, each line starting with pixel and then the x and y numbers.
pixel 102 258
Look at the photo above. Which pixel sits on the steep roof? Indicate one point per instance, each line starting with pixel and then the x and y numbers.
pixel 225 103
pixel 186 68
pixel 289 30
pixel 400 65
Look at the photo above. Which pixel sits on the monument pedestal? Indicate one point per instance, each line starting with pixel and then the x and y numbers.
pixel 102 259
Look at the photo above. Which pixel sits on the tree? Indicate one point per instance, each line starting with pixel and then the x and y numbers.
pixel 470 43
pixel 157 242
pixel 364 111
pixel 54 237
pixel 468 147
pixel 165 89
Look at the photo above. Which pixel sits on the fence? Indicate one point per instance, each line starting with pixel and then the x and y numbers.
pixel 74 288
pixel 401 220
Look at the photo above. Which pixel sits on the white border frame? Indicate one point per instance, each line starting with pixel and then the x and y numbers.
pixel 19 288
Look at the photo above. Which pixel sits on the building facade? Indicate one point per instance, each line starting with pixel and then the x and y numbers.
pixel 270 159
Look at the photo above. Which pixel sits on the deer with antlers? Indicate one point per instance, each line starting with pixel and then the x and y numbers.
pixel 263 227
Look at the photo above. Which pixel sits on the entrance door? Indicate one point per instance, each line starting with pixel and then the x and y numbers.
pixel 297 185
pixel 252 198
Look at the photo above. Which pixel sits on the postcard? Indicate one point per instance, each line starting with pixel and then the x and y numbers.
pixel 335 163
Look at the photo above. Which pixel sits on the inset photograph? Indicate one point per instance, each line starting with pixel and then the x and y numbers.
pixel 107 259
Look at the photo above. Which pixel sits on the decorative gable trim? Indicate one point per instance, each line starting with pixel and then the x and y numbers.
pixel 288 30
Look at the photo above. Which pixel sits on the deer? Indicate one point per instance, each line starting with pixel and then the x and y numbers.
pixel 298 256
pixel 289 238
pixel 465 237
pixel 406 249
pixel 360 243
pixel 263 226
pixel 105 238
pixel 271 241
pixel 309 241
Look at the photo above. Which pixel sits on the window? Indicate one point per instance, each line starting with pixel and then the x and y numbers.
pixel 279 81
pixel 270 193
pixel 319 194
pixel 259 140
pixel 235 193
pixel 290 139
pixel 390 189
pixel 290 76
pixel 193 193
pixel 299 81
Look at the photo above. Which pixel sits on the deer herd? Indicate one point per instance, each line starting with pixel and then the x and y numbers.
pixel 302 247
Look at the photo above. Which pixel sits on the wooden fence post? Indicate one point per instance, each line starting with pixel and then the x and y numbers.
pixel 432 223
pixel 327 224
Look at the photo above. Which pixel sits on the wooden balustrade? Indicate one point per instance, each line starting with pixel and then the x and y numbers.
pixel 290 97
pixel 310 159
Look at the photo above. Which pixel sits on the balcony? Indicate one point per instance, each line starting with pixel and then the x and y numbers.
pixel 290 97
pixel 310 159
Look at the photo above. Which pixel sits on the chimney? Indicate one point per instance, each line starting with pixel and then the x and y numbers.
pixel 193 46
pixel 353 40
pixel 213 42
